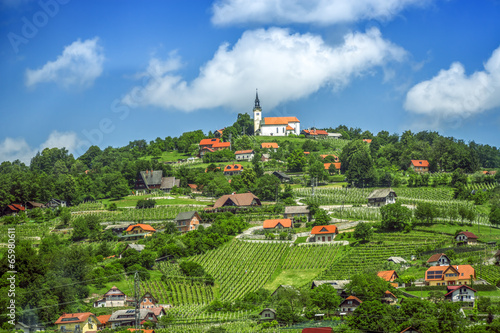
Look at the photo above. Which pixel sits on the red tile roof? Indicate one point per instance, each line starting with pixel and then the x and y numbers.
pixel 388 293
pixel 387 275
pixel 324 229
pixel 73 317
pixel 209 142
pixel 233 167
pixel 243 152
pixel 280 120
pixel 269 224
pixel 316 132
pixel 103 319
pixel 317 330
pixel 18 206
pixel 367 140
pixel 468 234
pixel 435 257
pixel 420 163
pixel 464 271
pixel 306 153
pixel 141 329
pixel 221 145
pixel 354 298
pixel 269 145
pixel 453 288
pixel 193 186
pixel 145 227
pixel 327 165
pixel 289 128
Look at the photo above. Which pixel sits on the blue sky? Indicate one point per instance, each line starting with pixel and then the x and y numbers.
pixel 76 73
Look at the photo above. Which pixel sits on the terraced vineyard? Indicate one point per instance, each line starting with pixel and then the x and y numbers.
pixel 241 267
pixel 310 257
pixel 87 206
pixel 372 257
pixel 490 273
pixel 179 291
pixel 334 195
pixel 147 214
pixel 356 213
pixel 415 238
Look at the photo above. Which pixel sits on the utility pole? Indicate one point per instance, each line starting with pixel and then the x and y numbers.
pixel 137 293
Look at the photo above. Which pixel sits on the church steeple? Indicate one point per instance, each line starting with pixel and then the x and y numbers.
pixel 257 102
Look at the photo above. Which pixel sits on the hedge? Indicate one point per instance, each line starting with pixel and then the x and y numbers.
pixel 477 287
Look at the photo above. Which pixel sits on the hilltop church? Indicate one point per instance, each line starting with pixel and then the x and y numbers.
pixel 273 126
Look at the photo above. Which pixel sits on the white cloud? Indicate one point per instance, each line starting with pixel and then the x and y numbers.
pixel 451 93
pixel 12 149
pixel 79 65
pixel 283 66
pixel 307 11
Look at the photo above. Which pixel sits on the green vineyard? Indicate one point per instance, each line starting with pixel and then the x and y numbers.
pixel 310 257
pixel 179 291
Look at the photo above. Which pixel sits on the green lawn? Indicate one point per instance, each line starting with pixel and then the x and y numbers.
pixel 293 277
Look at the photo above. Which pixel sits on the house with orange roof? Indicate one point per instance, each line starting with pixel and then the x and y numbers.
pixel 367 140
pixel 350 304
pixel 273 126
pixel 323 233
pixel 326 155
pixel 218 133
pixel 141 330
pixel 389 276
pixel 466 238
pixel 277 224
pixel 82 322
pixel 13 209
pixel 103 322
pixel 269 145
pixel 450 275
pixel 233 169
pixel 139 230
pixel 239 200
pixel 314 133
pixel 336 165
pixel 187 221
pixel 211 145
pixel 244 155
pixel 121 318
pixel 419 166
pixel 389 298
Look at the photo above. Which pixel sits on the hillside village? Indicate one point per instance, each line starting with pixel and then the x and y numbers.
pixel 258 226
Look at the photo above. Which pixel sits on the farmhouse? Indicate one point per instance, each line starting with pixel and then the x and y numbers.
pixel 139 230
pixel 82 322
pixel 381 197
pixel 439 259
pixel 323 233
pixel 103 322
pixel 389 276
pixel 244 155
pixel 277 224
pixel 153 180
pixel 339 285
pixel 466 238
pixel 187 221
pixel 296 212
pixel 367 140
pixel 238 200
pixel 461 293
pixel 273 126
pixel 450 275
pixel 13 209
pixel 349 305
pixel 112 298
pixel 33 204
pixel 233 169
pixel 211 145
pixel 54 203
pixel 419 166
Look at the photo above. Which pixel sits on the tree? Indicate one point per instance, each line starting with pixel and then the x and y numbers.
pixel 321 217
pixel 363 232
pixel 373 316
pixel 325 297
pixel 395 217
pixel 65 215
pixel 317 170
pixel 426 212
pixel 495 215
pixel 297 160
pixel 367 286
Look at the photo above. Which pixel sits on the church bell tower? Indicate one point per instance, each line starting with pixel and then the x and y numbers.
pixel 257 114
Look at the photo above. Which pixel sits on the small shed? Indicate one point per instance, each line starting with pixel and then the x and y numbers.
pixel 282 176
pixel 466 238
pixel 294 212
pixel 267 314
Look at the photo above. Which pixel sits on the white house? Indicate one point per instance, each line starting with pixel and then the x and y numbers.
pixel 273 126
pixel 242 155
pixel 461 293
pixel 439 259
